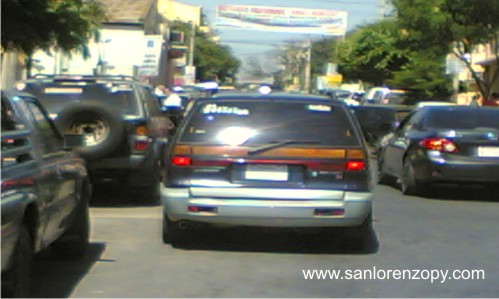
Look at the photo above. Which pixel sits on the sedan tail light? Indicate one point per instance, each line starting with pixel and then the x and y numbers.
pixel 355 165
pixel 14 183
pixel 181 161
pixel 439 144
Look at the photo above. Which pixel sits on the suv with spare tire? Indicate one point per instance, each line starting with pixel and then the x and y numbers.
pixel 120 118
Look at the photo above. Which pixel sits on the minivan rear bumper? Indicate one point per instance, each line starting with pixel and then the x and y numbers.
pixel 267 207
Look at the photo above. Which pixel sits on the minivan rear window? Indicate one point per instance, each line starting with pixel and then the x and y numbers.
pixel 56 96
pixel 270 121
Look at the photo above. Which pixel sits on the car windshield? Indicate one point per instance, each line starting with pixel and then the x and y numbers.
pixel 258 122
pixel 56 97
pixel 463 119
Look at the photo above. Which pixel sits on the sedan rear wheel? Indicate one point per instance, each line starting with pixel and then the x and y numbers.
pixel 408 182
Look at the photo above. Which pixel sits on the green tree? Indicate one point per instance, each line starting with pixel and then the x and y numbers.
pixel 29 25
pixel 424 72
pixel 372 53
pixel 213 61
pixel 323 51
pixel 451 26
pixel 384 53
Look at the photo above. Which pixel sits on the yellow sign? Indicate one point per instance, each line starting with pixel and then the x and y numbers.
pixel 335 79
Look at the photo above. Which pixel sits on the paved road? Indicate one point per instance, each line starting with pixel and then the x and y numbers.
pixel 456 229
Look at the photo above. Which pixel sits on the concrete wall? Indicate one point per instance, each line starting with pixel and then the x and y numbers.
pixel 12 69
pixel 172 11
pixel 120 49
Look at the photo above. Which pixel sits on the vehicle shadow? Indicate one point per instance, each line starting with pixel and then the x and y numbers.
pixel 53 277
pixel 120 195
pixel 273 240
pixel 463 192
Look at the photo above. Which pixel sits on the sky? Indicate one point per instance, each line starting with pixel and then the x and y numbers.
pixel 247 44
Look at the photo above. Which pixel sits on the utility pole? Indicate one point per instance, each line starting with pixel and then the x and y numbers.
pixel 191 44
pixel 308 66
pixel 189 69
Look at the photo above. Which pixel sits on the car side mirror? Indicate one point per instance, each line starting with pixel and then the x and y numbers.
pixel 74 140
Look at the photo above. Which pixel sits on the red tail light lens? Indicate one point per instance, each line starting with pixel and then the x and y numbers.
pixel 439 144
pixel 141 145
pixel 355 165
pixel 181 161
pixel 13 183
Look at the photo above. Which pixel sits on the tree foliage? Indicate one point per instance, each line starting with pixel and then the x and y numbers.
pixel 213 61
pixel 424 72
pixel 28 25
pixel 451 26
pixel 292 59
pixel 323 51
pixel 372 53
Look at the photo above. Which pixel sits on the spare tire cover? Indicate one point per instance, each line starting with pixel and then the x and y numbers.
pixel 102 126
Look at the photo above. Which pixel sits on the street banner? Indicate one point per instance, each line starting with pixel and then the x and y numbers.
pixel 282 19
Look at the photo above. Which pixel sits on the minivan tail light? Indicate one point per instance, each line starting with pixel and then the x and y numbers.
pixel 141 130
pixel 141 145
pixel 439 144
pixel 181 161
pixel 355 165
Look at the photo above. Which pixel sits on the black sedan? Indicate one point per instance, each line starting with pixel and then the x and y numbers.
pixel 377 121
pixel 442 144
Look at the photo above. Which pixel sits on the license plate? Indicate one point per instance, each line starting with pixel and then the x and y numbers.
pixel 488 151
pixel 266 172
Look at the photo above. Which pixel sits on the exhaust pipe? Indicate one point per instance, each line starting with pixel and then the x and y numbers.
pixel 183 225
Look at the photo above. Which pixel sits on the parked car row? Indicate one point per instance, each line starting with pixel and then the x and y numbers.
pixel 268 159
pixel 45 191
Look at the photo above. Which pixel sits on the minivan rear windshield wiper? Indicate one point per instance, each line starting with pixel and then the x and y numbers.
pixel 278 144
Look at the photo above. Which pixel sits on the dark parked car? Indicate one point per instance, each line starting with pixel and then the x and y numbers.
pixel 45 191
pixel 277 160
pixel 336 94
pixel 120 117
pixel 377 121
pixel 443 144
